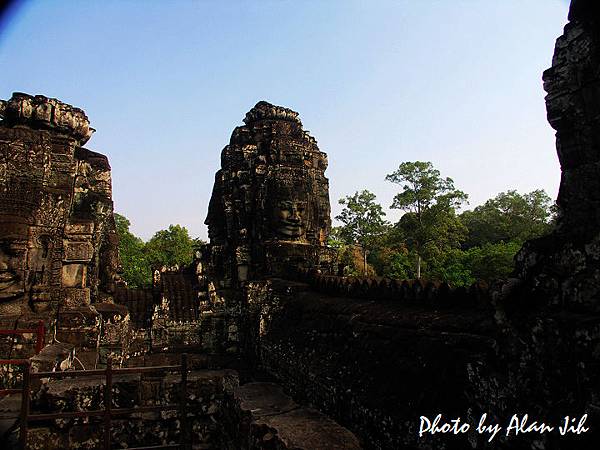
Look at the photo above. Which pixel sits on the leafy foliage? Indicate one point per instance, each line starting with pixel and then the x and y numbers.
pixel 509 216
pixel 171 247
pixel 363 222
pixel 136 270
pixel 430 225
pixel 394 262
pixel 431 239
pixel 486 263
pixel 493 261
pixel 453 267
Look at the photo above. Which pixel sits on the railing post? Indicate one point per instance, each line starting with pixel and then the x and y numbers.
pixel 108 404
pixel 25 398
pixel 41 331
pixel 185 435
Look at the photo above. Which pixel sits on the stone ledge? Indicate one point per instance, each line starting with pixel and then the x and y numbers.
pixel 277 418
pixel 54 357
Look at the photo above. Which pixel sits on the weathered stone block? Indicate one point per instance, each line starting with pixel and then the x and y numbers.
pixel 78 251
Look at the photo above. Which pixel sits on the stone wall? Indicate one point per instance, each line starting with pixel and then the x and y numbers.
pixel 21 346
pixel 208 394
pixel 222 415
pixel 392 290
pixel 139 302
pixel 376 367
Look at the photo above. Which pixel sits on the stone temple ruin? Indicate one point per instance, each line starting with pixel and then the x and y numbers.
pixel 59 245
pixel 281 352
pixel 269 211
pixel 59 248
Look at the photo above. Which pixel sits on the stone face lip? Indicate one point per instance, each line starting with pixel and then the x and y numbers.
pixel 265 111
pixel 40 112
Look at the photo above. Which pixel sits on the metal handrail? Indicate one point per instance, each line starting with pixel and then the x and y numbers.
pixel 108 413
pixel 40 332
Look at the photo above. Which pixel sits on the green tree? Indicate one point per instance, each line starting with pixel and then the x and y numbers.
pixel 453 267
pixel 390 256
pixel 363 222
pixel 171 247
pixel 486 263
pixel 393 262
pixel 343 250
pixel 430 224
pixel 492 261
pixel 509 216
pixel 136 269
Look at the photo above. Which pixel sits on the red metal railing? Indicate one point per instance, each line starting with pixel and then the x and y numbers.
pixel 40 333
pixel 108 413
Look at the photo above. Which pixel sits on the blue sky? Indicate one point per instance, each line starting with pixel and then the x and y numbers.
pixel 457 83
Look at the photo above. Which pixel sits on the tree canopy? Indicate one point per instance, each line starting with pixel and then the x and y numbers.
pixel 172 247
pixel 363 222
pixel 136 270
pixel 509 216
pixel 431 239
pixel 430 224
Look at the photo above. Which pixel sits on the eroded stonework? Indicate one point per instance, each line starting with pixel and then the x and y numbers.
pixel 374 354
pixel 269 209
pixel 58 243
pixel 45 113
pixel 564 267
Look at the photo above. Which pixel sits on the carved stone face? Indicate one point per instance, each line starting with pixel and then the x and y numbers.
pixel 23 260
pixel 289 218
pixel 13 252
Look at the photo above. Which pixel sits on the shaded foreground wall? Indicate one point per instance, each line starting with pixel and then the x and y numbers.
pixel 220 415
pixel 376 367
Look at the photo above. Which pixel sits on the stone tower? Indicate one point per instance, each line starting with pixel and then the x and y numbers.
pixel 563 269
pixel 269 211
pixel 58 244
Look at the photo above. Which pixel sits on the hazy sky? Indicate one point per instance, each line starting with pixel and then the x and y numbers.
pixel 457 83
